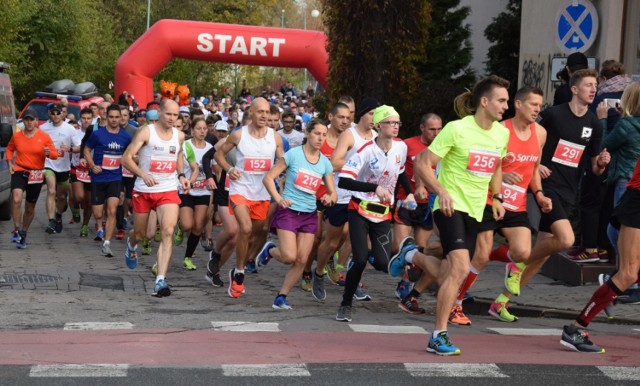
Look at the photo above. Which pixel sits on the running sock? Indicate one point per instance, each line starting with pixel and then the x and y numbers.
pixel 192 244
pixel 408 257
pixel 436 333
pixel 414 293
pixel 237 271
pixel 500 254
pixel 471 278
pixel 106 242
pixel 159 277
pixel 283 295
pixel 502 298
pixel 604 295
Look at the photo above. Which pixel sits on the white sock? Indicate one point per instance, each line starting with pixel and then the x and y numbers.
pixel 106 243
pixel 474 269
pixel 236 270
pixel 408 257
pixel 159 277
pixel 510 258
pixel 436 333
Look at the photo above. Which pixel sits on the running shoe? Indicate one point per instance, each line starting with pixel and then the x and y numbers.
pixel 512 276
pixel 333 273
pixel 397 262
pixel 442 345
pixel 341 280
pixel 188 264
pixel 178 237
pixel 146 246
pixel 51 227
pixel 578 339
pixel 120 235
pixel 157 236
pixel 250 267
pixel 403 288
pixel 131 256
pixel 203 242
pixel 22 243
pixel 154 269
pixel 281 303
pixel 84 231
pixel 208 245
pixel 263 256
pixel 574 251
pixel 75 218
pixel 608 310
pixel 236 284
pixel 15 236
pixel 500 311
pixel 307 281
pixel 317 289
pixel 58 226
pixel 213 265
pixel 413 272
pixel 458 317
pixel 410 304
pixel 161 289
pixel 361 294
pixel 630 296
pixel 344 314
pixel 106 250
pixel 99 235
pixel 214 279
pixel 603 254
pixel 586 257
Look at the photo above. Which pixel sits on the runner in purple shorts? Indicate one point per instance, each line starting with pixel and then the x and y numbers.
pixel 295 219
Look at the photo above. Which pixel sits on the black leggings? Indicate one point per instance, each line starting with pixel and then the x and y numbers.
pixel 360 231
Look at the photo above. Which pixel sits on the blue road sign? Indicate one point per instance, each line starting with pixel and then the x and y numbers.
pixel 576 25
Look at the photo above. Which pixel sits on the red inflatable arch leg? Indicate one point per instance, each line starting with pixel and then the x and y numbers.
pixel 214 42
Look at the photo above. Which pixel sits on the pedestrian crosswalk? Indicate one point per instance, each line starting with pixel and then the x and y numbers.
pixel 79 370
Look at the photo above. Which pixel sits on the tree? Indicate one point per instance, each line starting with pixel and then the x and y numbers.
pixel 373 52
pixel 503 55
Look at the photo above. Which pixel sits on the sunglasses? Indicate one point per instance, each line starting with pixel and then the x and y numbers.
pixel 55 112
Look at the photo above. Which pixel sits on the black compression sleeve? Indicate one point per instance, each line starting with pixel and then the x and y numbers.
pixel 356 186
pixel 206 160
pixel 403 180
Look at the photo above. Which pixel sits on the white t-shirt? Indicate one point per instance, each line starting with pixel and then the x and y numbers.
pixel 294 138
pixel 63 134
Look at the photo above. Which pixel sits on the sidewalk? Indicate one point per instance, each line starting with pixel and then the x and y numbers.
pixel 65 264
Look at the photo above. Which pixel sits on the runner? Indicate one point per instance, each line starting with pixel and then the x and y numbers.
pixel 626 217
pixel 57 171
pixel 295 219
pixel 256 144
pixel 33 146
pixel 80 175
pixel 103 153
pixel 520 171
pixel 194 204
pixel 159 148
pixel 371 175
pixel 469 151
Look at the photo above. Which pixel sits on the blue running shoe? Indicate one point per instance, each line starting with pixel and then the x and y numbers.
pixel 250 267
pixel 161 289
pixel 281 303
pixel 131 256
pixel 403 289
pixel 442 345
pixel 264 257
pixel 397 263
pixel 15 236
pixel 99 235
pixel 22 243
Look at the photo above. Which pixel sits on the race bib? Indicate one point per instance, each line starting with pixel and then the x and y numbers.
pixel 111 161
pixel 126 172
pixel 83 175
pixel 257 165
pixel 199 184
pixel 515 197
pixel 307 181
pixel 482 163
pixel 162 165
pixel 568 153
pixel 36 177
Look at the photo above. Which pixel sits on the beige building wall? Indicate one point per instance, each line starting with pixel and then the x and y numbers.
pixel 618 38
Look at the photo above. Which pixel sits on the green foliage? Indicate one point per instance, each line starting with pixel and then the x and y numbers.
pixel 503 55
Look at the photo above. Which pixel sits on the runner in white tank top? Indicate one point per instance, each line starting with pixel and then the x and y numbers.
pixel 256 147
pixel 159 147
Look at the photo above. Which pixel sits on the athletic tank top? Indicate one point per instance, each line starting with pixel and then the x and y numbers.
pixel 345 195
pixel 522 156
pixel 159 158
pixel 254 158
pixel 191 152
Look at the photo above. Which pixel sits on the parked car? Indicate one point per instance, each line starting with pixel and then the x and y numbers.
pixel 7 128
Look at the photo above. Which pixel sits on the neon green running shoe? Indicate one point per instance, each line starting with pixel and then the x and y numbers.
pixel 84 231
pixel 154 269
pixel 188 265
pixel 512 276
pixel 146 246
pixel 157 236
pixel 500 312
pixel 178 236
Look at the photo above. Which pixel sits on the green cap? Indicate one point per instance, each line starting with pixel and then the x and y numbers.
pixel 384 112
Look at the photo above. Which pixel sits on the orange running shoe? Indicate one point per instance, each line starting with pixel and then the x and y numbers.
pixel 458 317
pixel 236 284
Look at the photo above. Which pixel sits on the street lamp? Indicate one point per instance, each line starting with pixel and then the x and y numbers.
pixel 282 19
pixel 314 13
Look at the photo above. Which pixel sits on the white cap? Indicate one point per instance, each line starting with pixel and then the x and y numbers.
pixel 221 126
pixel 185 109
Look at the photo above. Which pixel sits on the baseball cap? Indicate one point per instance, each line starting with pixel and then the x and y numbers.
pixel 221 126
pixel 384 112
pixel 30 113
pixel 152 115
pixel 185 110
pixel 577 61
pixel 55 106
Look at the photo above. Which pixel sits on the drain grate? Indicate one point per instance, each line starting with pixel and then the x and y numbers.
pixel 19 279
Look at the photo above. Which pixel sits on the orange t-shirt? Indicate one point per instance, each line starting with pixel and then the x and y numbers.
pixel 30 151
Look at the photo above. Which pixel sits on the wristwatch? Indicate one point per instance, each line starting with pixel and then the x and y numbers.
pixel 499 197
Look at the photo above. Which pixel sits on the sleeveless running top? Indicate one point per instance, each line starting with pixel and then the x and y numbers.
pixel 345 195
pixel 159 158
pixel 192 153
pixel 254 158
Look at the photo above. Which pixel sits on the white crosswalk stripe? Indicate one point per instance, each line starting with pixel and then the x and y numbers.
pixel 387 329
pixel 84 326
pixel 77 370
pixel 527 331
pixel 246 326
pixel 618 373
pixel 457 370
pixel 269 370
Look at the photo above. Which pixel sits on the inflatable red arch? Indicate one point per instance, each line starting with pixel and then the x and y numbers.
pixel 215 42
